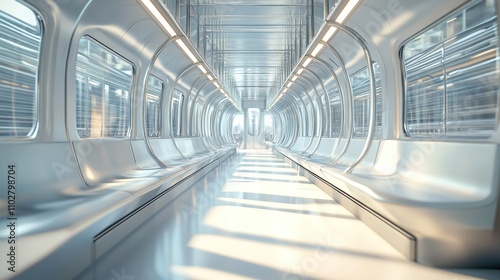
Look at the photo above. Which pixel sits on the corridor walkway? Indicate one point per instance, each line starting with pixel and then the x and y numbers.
pixel 255 218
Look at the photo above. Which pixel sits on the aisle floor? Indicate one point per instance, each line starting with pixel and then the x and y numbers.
pixel 254 217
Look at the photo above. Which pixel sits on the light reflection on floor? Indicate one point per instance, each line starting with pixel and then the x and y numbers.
pixel 255 218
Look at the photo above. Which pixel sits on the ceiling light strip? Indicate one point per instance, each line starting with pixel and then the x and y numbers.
pixel 346 11
pixel 170 31
pixel 329 34
pixel 186 50
pixel 203 70
pixel 318 49
pixel 308 60
pixel 159 17
pixel 341 18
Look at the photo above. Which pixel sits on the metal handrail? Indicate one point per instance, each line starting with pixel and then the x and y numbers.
pixel 149 148
pixel 314 115
pixel 186 70
pixel 341 98
pixel 349 102
pixel 373 94
pixel 203 114
pixel 321 107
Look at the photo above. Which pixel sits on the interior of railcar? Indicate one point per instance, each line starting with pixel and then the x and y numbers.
pixel 238 139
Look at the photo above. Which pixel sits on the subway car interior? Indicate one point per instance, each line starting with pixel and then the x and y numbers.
pixel 249 139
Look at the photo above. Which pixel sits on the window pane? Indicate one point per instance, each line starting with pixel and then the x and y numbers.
pixel 196 118
pixel 360 83
pixel 237 127
pixel 472 81
pixel 20 39
pixel 208 126
pixel 309 118
pixel 253 121
pixel 153 108
pixel 336 108
pixel 324 115
pixel 177 113
pixel 103 92
pixel 424 93
pixel 304 130
pixel 452 84
pixel 268 127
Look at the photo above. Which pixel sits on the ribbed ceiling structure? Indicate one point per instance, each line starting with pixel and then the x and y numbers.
pixel 254 43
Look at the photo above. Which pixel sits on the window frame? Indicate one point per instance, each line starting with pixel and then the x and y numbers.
pixel 178 97
pixel 364 100
pixel 131 89
pixel 158 114
pixel 404 111
pixel 33 130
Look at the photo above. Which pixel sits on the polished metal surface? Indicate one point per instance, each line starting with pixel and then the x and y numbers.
pixel 426 164
pixel 253 42
pixel 254 217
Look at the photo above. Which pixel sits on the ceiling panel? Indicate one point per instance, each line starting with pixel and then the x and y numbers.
pixel 251 40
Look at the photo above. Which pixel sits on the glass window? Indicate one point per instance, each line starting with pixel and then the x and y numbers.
pixel 183 16
pixel 237 127
pixel 171 6
pixel 268 127
pixel 207 122
pixel 360 82
pixel 153 108
pixel 317 110
pixel 324 114
pixel 253 121
pixel 336 108
pixel 311 121
pixel 304 123
pixel 20 39
pixel 452 75
pixel 332 4
pixel 177 113
pixel 196 118
pixel 103 92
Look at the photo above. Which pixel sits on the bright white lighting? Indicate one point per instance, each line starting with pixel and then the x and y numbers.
pixel 329 34
pixel 308 60
pixel 294 78
pixel 202 69
pixel 290 84
pixel 159 17
pixel 318 48
pixel 285 90
pixel 216 84
pixel 210 77
pixel 300 71
pixel 346 11
pixel 186 50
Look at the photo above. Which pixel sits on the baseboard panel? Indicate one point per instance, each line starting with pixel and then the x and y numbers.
pixel 400 239
pixel 107 239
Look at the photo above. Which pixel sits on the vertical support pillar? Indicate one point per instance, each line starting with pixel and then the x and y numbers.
pixel 245 129
pixel 326 8
pixel 308 24
pixel 312 21
pixel 188 19
pixel 178 11
pixel 262 135
pixel 198 30
pixel 205 42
